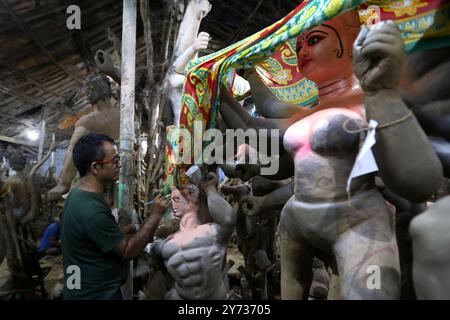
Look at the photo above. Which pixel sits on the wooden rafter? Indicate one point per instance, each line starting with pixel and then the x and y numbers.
pixel 33 101
pixel 244 23
pixel 17 141
pixel 25 30
pixel 23 75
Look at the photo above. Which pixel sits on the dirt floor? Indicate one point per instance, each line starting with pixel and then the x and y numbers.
pixel 52 270
pixel 236 256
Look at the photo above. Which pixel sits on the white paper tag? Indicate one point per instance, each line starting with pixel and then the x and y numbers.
pixel 365 162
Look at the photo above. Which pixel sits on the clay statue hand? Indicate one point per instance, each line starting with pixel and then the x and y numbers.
pixel 210 181
pixel 161 204
pixel 202 41
pixel 251 205
pixel 247 166
pixel 378 56
pixel 247 171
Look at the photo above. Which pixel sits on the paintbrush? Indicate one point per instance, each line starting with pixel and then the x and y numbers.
pixel 153 201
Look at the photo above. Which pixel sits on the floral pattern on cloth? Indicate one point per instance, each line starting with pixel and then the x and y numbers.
pixel 424 25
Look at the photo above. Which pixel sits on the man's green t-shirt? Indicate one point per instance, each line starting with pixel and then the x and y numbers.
pixel 88 235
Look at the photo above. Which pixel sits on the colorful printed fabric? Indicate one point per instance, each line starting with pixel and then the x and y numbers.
pixel 424 24
pixel 282 75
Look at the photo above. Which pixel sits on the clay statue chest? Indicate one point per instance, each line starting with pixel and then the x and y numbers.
pixel 324 147
pixel 195 259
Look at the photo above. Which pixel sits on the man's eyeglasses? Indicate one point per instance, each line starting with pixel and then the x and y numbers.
pixel 114 160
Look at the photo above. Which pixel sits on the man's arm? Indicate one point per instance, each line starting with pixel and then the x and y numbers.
pixel 130 247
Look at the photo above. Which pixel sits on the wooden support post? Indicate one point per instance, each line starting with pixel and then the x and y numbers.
pixel 52 159
pixel 42 133
pixel 127 96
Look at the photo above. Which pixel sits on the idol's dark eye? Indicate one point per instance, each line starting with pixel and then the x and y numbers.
pixel 314 40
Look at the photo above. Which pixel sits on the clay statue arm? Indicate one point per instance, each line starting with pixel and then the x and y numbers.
pixel 266 102
pixel 236 117
pixel 34 194
pixel 132 246
pixel 201 43
pixel 406 160
pixel 106 65
pixel 278 198
pixel 7 199
pixel 430 238
pixel 220 210
pixel 10 222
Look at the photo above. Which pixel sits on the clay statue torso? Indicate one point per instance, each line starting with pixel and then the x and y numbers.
pixel 194 258
pixel 324 154
pixel 18 186
pixel 104 121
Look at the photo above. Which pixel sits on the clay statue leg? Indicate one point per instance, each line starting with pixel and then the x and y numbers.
pixel 2 240
pixel 69 170
pixel 296 267
pixel 17 278
pixel 367 259
pixel 430 238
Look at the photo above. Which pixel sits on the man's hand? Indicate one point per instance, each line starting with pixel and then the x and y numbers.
pixel 160 205
pixel 378 56
pixel 202 41
pixel 210 181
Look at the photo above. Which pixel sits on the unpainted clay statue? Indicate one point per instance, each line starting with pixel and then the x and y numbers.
pixel 195 255
pixel 323 143
pixel 426 91
pixel 431 258
pixel 104 119
pixel 5 204
pixel 21 200
pixel 187 46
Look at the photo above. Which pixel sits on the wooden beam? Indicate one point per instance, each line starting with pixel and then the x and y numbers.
pixel 34 101
pixel 25 30
pixel 17 141
pixel 244 23
pixel 19 95
pixel 23 75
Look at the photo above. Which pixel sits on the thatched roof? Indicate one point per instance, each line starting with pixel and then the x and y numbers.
pixel 43 63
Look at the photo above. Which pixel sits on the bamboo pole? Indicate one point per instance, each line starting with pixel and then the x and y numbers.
pixel 127 99
pixel 42 133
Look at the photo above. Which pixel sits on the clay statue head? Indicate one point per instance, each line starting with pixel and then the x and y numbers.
pixel 189 198
pixel 17 161
pixel 98 88
pixel 325 52
pixel 201 8
pixel 185 199
pixel 52 170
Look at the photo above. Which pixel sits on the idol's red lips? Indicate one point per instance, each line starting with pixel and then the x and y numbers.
pixel 305 62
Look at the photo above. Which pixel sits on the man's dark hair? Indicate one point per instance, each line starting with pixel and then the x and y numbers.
pixel 89 149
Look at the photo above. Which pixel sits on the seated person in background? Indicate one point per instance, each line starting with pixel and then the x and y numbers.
pixel 50 244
